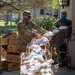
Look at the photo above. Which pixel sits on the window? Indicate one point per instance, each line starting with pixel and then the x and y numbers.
pixel 41 11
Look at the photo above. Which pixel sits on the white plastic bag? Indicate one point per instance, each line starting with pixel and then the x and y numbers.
pixel 55 31
pixel 63 27
pixel 49 33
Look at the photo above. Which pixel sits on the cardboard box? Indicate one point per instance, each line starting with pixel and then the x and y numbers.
pixel 13 58
pixel 13 41
pixel 10 66
pixel 3 53
pixel 48 54
pixel 0 64
pixel 4 41
pixel 5 47
pixel 9 37
pixel 13 49
pixel 13 34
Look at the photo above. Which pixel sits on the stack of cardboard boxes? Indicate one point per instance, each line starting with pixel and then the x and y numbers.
pixel 10 52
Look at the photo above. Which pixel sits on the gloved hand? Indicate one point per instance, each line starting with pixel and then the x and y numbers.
pixel 33 35
pixel 38 36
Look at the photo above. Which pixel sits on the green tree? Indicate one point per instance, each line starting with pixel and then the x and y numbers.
pixel 55 4
pixel 19 5
pixel 55 7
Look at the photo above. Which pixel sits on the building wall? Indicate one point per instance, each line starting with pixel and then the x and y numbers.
pixel 73 34
pixel 36 12
pixel 69 11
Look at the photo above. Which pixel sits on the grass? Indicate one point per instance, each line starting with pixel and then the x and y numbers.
pixel 2 24
pixel 8 27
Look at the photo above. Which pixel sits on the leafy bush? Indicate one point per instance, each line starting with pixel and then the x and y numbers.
pixel 45 22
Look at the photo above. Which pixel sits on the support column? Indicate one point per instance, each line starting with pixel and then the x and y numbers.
pixel 73 35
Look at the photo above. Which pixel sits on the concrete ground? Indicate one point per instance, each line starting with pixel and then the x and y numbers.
pixel 59 71
pixel 11 73
pixel 64 71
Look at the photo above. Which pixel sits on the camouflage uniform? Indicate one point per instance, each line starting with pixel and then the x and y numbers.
pixel 25 33
pixel 68 23
pixel 62 46
pixel 59 23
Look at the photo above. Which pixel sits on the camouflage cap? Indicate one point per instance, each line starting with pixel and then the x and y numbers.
pixel 26 12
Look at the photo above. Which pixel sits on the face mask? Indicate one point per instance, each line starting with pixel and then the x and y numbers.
pixel 63 18
pixel 26 17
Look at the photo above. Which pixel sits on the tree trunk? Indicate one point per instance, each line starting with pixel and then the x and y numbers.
pixel 18 16
pixel 7 17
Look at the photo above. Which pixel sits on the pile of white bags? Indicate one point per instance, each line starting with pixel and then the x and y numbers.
pixel 35 61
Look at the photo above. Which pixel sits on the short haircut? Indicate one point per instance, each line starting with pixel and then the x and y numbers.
pixel 63 13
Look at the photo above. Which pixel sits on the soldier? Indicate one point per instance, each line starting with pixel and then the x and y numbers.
pixel 63 21
pixel 26 31
pixel 63 47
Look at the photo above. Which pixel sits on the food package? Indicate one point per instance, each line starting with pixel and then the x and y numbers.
pixel 55 31
pixel 63 27
pixel 42 40
pixel 49 35
pixel 35 47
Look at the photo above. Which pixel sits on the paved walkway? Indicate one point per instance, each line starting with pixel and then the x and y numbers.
pixel 59 71
pixel 65 71
pixel 11 73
